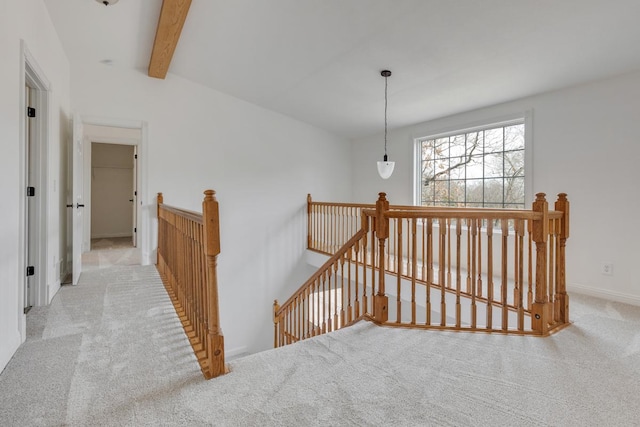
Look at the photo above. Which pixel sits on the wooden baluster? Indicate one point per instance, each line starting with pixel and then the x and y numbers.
pixel 449 253
pixel 458 271
pixel 399 261
pixel 530 264
pixel 349 318
pixel 490 273
pixel 410 260
pixel 391 263
pixel 469 226
pixel 504 273
pixel 357 277
pixel 323 304
pixel 427 320
pixel 317 230
pixel 540 310
pixel 474 257
pixel 423 273
pixel 325 229
pixel 562 299
pixel 442 225
pixel 343 315
pixel 520 277
pixel 313 307
pixel 479 290
pixel 336 323
pixel 381 300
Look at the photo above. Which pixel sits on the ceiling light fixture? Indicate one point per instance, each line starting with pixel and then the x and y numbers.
pixel 107 2
pixel 385 167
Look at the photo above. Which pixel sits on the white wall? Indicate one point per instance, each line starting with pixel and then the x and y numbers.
pixel 111 190
pixel 261 164
pixel 28 20
pixel 585 143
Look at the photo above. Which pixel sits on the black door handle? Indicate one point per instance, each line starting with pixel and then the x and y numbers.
pixel 131 200
pixel 70 206
pixel 78 205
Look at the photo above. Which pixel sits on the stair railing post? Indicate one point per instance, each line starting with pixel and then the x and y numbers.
pixel 211 229
pixel 276 308
pixel 381 301
pixel 562 308
pixel 160 201
pixel 309 221
pixel 540 309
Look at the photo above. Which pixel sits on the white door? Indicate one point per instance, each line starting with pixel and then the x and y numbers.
pixel 78 200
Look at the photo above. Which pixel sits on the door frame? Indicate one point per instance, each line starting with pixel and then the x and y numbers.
pixel 32 75
pixel 88 191
pixel 142 211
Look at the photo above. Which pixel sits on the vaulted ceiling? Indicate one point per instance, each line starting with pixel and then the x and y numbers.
pixel 319 61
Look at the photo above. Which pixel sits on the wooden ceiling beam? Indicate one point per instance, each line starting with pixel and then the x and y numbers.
pixel 172 17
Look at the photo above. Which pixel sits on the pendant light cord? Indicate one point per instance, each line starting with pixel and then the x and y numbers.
pixel 385 118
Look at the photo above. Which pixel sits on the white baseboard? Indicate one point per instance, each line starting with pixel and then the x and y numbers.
pixel 112 235
pixel 604 294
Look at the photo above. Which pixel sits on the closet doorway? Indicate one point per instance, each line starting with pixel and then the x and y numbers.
pixel 113 193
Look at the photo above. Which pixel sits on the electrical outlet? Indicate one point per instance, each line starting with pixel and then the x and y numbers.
pixel 607 269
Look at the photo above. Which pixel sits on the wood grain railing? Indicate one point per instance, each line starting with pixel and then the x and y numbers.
pixel 188 246
pixel 492 270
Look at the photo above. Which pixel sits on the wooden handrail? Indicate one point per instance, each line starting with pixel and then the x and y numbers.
pixel 188 246
pixel 329 299
pixel 479 269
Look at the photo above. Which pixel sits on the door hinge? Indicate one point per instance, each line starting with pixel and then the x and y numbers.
pixel 31 112
pixel 31 191
pixel 31 270
pixel 135 193
pixel 135 229
pixel 135 156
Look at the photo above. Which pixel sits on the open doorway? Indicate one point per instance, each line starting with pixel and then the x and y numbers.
pixel 111 174
pixel 113 211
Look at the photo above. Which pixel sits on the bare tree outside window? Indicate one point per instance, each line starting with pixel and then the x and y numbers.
pixel 483 168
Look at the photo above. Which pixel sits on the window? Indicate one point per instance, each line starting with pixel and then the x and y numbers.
pixel 482 167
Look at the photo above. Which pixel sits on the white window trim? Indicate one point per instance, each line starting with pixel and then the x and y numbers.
pixel 525 117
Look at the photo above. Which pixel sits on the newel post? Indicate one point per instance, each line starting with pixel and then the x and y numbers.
pixel 540 309
pixel 276 319
pixel 160 201
pixel 211 230
pixel 308 221
pixel 562 302
pixel 381 301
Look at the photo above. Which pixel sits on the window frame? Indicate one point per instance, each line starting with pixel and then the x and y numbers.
pixel 525 118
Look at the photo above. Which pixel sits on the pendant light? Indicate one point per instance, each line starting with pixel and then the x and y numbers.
pixel 385 167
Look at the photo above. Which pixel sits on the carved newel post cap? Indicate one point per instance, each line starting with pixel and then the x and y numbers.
pixel 540 197
pixel 383 196
pixel 562 196
pixel 209 194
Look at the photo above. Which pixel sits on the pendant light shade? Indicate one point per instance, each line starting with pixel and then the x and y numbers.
pixel 385 167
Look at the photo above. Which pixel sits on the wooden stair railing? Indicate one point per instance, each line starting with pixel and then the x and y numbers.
pixel 491 270
pixel 188 246
pixel 333 297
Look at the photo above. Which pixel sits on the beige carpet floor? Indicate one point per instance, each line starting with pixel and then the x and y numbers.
pixel 111 351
